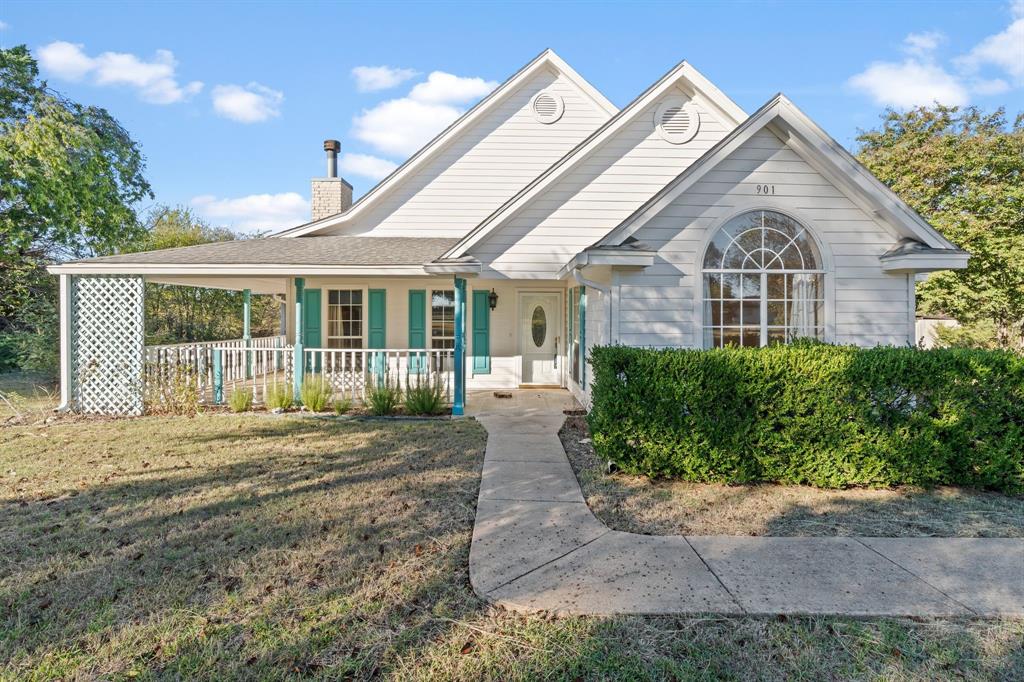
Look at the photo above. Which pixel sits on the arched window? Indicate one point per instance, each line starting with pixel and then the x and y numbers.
pixel 763 283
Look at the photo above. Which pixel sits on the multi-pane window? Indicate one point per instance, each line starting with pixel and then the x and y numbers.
pixel 345 318
pixel 442 319
pixel 763 283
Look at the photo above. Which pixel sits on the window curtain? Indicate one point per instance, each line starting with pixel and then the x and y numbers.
pixel 801 307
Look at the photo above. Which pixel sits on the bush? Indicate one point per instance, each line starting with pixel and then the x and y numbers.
pixel 279 396
pixel 240 400
pixel 342 405
pixel 170 390
pixel 425 396
pixel 809 413
pixel 382 396
pixel 315 393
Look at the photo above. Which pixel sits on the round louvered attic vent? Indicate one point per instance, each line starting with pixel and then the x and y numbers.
pixel 677 122
pixel 547 107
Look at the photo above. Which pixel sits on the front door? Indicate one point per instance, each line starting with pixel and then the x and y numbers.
pixel 539 322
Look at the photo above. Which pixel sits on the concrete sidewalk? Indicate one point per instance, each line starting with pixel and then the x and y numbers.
pixel 537 546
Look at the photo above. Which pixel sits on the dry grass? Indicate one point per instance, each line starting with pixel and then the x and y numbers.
pixel 640 505
pixel 26 397
pixel 259 547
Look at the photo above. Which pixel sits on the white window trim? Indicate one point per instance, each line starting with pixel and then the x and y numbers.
pixel 430 318
pixel 326 314
pixel 763 204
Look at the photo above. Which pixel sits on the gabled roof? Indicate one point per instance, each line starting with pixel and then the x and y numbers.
pixel 546 59
pixel 683 74
pixel 812 143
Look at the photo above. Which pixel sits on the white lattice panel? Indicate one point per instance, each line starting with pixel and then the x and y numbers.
pixel 108 337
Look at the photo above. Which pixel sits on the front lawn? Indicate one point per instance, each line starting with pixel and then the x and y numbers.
pixel 673 507
pixel 262 547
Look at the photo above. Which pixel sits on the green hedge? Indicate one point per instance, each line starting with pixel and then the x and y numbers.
pixel 809 413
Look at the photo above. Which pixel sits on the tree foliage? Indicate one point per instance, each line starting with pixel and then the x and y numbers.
pixel 180 313
pixel 963 171
pixel 70 177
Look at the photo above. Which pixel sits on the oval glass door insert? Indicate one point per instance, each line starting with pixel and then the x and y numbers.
pixel 540 326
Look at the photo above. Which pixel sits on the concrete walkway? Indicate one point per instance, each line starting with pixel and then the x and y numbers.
pixel 537 547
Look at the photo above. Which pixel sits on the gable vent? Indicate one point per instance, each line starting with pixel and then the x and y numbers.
pixel 547 107
pixel 677 122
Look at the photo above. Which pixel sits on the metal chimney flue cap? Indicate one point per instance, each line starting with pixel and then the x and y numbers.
pixel 332 146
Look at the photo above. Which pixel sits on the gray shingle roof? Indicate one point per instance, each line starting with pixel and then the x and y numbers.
pixel 341 250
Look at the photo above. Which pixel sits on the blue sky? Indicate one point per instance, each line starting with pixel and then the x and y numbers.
pixel 231 101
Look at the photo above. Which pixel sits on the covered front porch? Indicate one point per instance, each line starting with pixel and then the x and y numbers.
pixel 463 333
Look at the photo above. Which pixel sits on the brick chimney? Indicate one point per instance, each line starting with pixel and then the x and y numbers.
pixel 331 194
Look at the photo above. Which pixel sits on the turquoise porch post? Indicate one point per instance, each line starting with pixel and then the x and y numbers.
pixel 218 376
pixel 299 355
pixel 247 329
pixel 459 402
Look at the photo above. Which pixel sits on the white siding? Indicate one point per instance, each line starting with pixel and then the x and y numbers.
pixel 868 307
pixel 591 199
pixel 484 166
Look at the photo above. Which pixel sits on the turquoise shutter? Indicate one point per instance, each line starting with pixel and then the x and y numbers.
pixel 376 329
pixel 311 326
pixel 417 327
pixel 481 332
pixel 583 337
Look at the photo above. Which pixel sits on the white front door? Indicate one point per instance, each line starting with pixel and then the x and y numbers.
pixel 539 325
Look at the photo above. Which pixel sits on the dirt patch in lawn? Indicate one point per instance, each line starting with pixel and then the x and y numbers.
pixel 664 507
pixel 248 547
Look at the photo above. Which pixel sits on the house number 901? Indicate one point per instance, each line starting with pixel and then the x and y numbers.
pixel 765 189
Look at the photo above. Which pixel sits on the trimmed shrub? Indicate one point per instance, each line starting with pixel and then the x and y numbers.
pixel 382 396
pixel 810 413
pixel 315 393
pixel 240 400
pixel 279 396
pixel 425 395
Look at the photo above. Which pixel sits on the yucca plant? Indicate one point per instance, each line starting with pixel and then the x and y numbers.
pixel 382 396
pixel 425 396
pixel 279 396
pixel 240 400
pixel 315 393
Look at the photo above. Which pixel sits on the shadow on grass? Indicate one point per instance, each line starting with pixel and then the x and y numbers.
pixel 309 544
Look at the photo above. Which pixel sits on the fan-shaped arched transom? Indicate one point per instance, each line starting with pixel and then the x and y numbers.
pixel 763 282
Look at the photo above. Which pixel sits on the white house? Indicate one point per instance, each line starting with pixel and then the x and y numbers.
pixel 543 222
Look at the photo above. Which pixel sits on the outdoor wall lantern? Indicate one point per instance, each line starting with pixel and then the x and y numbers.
pixel 492 298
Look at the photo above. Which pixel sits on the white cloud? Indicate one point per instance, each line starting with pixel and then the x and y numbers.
pixel 365 165
pixel 155 80
pixel 909 84
pixel 255 212
pixel 920 80
pixel 446 88
pixel 4 26
pixel 373 78
pixel 921 44
pixel 402 126
pixel 1004 50
pixel 251 103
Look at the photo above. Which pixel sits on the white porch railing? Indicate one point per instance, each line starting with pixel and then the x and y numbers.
pixel 350 371
pixel 219 367
pixel 262 361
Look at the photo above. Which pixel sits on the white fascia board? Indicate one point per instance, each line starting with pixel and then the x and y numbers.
pixel 925 262
pixel 452 268
pixel 627 258
pixel 682 75
pixel 546 59
pixel 260 270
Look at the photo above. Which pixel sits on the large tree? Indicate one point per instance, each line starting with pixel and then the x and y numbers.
pixel 963 171
pixel 70 178
pixel 180 313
